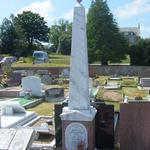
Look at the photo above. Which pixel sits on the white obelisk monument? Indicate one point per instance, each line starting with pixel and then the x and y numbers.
pixel 79 117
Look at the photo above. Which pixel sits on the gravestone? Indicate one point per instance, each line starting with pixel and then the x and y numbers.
pixel 134 126
pixel 79 116
pixel 0 119
pixel 30 72
pixel 145 82
pixel 104 125
pixel 65 73
pixel 14 79
pixel 58 126
pixel 42 72
pixel 46 79
pixel 32 84
pixel 112 86
pixel 54 94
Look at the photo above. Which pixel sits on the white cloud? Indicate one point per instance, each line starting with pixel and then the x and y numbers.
pixel 45 9
pixel 69 15
pixel 132 9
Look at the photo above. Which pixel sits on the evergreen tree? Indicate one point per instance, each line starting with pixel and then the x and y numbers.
pixel 8 35
pixel 140 53
pixel 105 42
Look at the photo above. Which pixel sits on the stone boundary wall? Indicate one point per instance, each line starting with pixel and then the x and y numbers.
pixel 141 71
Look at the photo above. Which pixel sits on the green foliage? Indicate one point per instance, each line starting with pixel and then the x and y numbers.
pixel 105 42
pixel 140 53
pixel 64 46
pixel 61 29
pixel 7 71
pixel 8 35
pixel 32 27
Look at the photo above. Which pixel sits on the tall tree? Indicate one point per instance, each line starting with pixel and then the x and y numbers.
pixel 8 35
pixel 56 31
pixel 140 53
pixel 105 42
pixel 33 27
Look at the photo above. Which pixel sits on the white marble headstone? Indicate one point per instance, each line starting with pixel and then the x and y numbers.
pixel 75 134
pixel 79 76
pixel 0 120
pixel 33 84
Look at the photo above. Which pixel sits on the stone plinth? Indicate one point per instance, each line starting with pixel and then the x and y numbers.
pixel 78 126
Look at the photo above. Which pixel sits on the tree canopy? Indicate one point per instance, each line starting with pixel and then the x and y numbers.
pixel 105 42
pixel 60 33
pixel 33 27
pixel 8 35
pixel 140 53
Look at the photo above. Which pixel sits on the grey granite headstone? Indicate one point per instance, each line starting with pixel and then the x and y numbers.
pixel 54 94
pixel 42 72
pixel 145 82
pixel 46 79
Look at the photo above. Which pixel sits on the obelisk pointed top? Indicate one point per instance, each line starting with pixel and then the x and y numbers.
pixel 79 1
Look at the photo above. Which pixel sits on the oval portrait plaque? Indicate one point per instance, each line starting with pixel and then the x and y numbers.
pixel 76 133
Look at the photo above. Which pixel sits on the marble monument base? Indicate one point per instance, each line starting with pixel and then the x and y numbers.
pixel 78 126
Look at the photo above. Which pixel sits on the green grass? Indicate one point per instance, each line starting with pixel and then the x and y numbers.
pixel 126 60
pixel 129 88
pixel 130 82
pixel 109 95
pixel 55 61
pixel 43 109
pixel 116 105
pixel 134 92
pixel 102 79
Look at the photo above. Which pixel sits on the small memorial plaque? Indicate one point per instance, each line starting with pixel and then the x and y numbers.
pixel 76 133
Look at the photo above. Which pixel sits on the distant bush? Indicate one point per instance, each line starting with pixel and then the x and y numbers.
pixel 140 53
pixel 138 98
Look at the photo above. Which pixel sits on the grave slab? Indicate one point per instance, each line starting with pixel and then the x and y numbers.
pixel 16 139
pixel 112 86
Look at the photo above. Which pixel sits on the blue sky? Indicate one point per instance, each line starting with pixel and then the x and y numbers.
pixel 128 13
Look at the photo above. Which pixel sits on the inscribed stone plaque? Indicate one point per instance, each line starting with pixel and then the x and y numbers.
pixel 74 134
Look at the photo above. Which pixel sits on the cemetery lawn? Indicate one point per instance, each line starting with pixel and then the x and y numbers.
pixel 43 109
pixel 55 61
pixel 134 92
pixel 128 88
